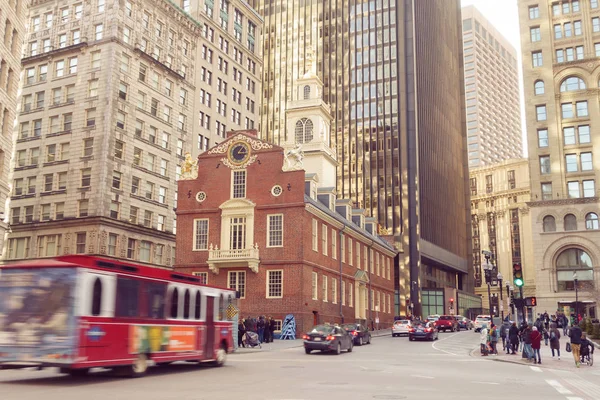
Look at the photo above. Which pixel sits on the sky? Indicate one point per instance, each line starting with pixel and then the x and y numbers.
pixel 504 15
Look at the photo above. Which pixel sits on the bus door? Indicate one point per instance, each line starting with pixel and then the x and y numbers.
pixel 209 345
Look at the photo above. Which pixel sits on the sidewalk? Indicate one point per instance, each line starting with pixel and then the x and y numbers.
pixel 566 361
pixel 278 345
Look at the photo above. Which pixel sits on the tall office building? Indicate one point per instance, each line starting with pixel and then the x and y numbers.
pixel 560 42
pixel 114 94
pixel 396 97
pixel 492 91
pixel 12 31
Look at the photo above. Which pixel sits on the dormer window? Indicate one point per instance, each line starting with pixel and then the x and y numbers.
pixel 306 92
pixel 304 131
pixel 238 186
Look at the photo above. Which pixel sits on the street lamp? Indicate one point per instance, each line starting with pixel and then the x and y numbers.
pixel 501 300
pixel 576 298
pixel 488 268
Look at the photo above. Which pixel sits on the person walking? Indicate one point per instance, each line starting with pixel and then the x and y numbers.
pixel 494 339
pixel 260 325
pixel 241 332
pixel 513 338
pixel 575 335
pixel 272 327
pixel 536 343
pixel 483 340
pixel 267 333
pixel 526 337
pixel 504 328
pixel 555 339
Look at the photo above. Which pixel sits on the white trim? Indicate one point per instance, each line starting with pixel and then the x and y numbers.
pixel 324 288
pixel 334 291
pixel 204 274
pixel 315 234
pixel 315 286
pixel 269 230
pixel 233 171
pixel 324 237
pixel 237 281
pixel 267 284
pixel 195 227
pixel 334 244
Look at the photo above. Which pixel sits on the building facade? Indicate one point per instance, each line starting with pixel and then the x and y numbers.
pixel 501 224
pixel 12 31
pixel 560 69
pixel 492 92
pixel 374 60
pixel 114 94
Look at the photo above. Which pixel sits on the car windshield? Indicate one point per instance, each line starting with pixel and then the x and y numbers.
pixel 402 322
pixel 445 318
pixel 322 329
pixel 483 318
pixel 351 327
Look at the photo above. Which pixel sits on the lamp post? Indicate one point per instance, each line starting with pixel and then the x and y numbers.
pixel 501 300
pixel 576 298
pixel 488 268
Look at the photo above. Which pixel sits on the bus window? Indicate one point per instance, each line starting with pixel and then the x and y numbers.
pixel 156 299
pixel 128 291
pixel 221 308
pixel 174 303
pixel 97 297
pixel 198 304
pixel 186 304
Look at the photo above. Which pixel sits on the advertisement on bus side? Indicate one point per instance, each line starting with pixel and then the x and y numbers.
pixel 155 338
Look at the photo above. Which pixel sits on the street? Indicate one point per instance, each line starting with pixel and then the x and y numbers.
pixel 390 368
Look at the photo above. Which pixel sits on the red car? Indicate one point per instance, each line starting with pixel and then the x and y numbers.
pixel 447 323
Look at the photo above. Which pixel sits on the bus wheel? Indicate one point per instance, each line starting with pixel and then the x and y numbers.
pixel 221 357
pixel 140 366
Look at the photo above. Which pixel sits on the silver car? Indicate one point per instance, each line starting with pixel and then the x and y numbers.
pixel 401 327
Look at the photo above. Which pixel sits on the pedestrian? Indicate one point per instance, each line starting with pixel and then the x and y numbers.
pixel 261 328
pixel 555 339
pixel 575 335
pixel 484 340
pixel 546 335
pixel 241 332
pixel 272 328
pixel 267 333
pixel 513 337
pixel 526 337
pixel 494 339
pixel 536 343
pixel 504 329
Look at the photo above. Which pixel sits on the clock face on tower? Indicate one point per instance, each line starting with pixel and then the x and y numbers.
pixel 239 153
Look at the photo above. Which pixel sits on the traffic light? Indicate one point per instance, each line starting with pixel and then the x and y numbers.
pixel 530 301
pixel 533 302
pixel 518 274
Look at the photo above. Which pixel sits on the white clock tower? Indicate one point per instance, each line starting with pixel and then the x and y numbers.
pixel 309 126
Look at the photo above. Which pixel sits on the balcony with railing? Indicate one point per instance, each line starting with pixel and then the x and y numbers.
pixel 233 258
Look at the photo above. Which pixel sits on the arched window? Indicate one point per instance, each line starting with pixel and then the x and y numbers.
pixel 97 297
pixel 570 222
pixel 549 224
pixel 591 221
pixel 306 92
pixel 198 305
pixel 304 131
pixel 174 303
pixel 186 304
pixel 539 87
pixel 573 261
pixel 572 83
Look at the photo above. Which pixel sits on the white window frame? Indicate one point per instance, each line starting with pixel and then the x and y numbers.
pixel 196 221
pixel 334 291
pixel 350 251
pixel 343 289
pixel 233 184
pixel 315 286
pixel 351 295
pixel 334 244
pixel 315 235
pixel 269 216
pixel 268 284
pixel 324 287
pixel 237 281
pixel 324 238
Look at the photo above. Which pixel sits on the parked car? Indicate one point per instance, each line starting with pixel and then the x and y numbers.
pixel 359 333
pixel 327 338
pixel 401 327
pixel 464 323
pixel 480 321
pixel 447 323
pixel 424 331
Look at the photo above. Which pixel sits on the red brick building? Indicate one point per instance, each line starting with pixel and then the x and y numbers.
pixel 286 244
pixel 265 220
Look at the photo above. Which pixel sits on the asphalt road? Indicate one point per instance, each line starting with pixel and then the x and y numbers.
pixel 390 368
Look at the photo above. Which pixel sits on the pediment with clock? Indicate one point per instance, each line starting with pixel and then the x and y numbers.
pixel 240 150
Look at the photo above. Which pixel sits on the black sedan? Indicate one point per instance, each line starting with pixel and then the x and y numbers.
pixel 426 331
pixel 359 333
pixel 327 338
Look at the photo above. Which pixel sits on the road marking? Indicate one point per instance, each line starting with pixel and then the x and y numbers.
pixel 486 383
pixel 559 388
pixel 422 376
pixel 536 369
pixel 441 340
pixel 574 398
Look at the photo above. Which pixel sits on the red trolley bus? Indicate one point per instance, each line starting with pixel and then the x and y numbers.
pixel 78 312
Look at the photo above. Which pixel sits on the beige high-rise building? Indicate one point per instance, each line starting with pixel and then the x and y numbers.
pixel 12 30
pixel 492 92
pixel 501 224
pixel 114 94
pixel 561 52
